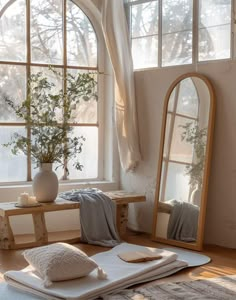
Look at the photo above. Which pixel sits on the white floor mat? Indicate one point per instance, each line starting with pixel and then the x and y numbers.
pixel 194 259
pixel 120 275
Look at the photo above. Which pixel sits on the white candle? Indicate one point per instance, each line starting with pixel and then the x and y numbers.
pixel 32 200
pixel 24 196
pixel 23 199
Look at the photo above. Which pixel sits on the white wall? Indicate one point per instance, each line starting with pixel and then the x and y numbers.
pixel 151 87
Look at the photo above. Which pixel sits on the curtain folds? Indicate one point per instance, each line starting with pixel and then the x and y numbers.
pixel 116 37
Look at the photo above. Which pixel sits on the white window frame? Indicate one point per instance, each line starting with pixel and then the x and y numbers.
pixel 195 58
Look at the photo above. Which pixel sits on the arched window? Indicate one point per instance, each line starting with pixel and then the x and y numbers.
pixel 35 34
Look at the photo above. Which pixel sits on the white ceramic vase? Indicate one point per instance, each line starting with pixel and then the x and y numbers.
pixel 196 196
pixel 45 184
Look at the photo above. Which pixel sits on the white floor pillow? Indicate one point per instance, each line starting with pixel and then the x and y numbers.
pixel 61 261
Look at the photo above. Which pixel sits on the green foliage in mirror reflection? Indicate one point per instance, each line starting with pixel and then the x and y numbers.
pixel 197 137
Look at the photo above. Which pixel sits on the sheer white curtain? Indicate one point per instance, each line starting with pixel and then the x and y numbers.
pixel 118 45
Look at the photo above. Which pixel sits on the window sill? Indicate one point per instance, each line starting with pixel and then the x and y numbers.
pixel 198 63
pixel 10 192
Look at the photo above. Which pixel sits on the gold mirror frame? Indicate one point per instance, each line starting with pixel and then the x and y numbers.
pixel 202 213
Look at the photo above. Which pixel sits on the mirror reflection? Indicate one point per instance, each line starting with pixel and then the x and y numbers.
pixel 183 161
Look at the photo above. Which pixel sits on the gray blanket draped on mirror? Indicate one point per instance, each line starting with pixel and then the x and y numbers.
pixel 97 216
pixel 183 222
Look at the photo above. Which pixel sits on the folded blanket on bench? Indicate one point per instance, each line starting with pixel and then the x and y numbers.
pixel 120 275
pixel 97 216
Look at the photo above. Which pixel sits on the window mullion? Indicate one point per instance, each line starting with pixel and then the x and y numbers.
pixel 160 34
pixel 232 40
pixel 137 2
pixel 64 35
pixel 46 65
pixel 29 175
pixel 195 32
pixel 64 72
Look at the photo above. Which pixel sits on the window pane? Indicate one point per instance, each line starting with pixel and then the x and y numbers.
pixel 85 111
pixel 180 151
pixel 145 52
pixel 214 12
pixel 81 38
pixel 51 76
pixel 144 19
pixel 177 16
pixel 57 81
pixel 214 43
pixel 89 155
pixel 177 183
pixel 46 31
pixel 188 102
pixel 13 31
pixel 12 167
pixel 12 85
pixel 177 48
pixel 214 29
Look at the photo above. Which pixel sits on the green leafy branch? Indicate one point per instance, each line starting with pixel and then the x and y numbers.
pixel 48 113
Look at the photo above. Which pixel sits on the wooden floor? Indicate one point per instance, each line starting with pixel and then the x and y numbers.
pixel 223 260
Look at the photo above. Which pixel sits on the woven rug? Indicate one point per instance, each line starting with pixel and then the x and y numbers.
pixel 221 288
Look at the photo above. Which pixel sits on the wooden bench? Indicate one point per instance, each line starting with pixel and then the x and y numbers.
pixel 8 209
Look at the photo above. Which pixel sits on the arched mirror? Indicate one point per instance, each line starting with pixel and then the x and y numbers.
pixel 184 162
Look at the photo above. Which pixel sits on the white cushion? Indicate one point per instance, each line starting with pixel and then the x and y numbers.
pixel 60 261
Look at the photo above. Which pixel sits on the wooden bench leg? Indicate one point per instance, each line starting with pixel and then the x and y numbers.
pixel 40 229
pixel 6 236
pixel 122 218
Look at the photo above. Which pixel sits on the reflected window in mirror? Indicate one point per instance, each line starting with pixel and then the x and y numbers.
pixel 185 143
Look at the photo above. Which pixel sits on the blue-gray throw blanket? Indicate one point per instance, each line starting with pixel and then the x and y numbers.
pixel 97 216
pixel 183 222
